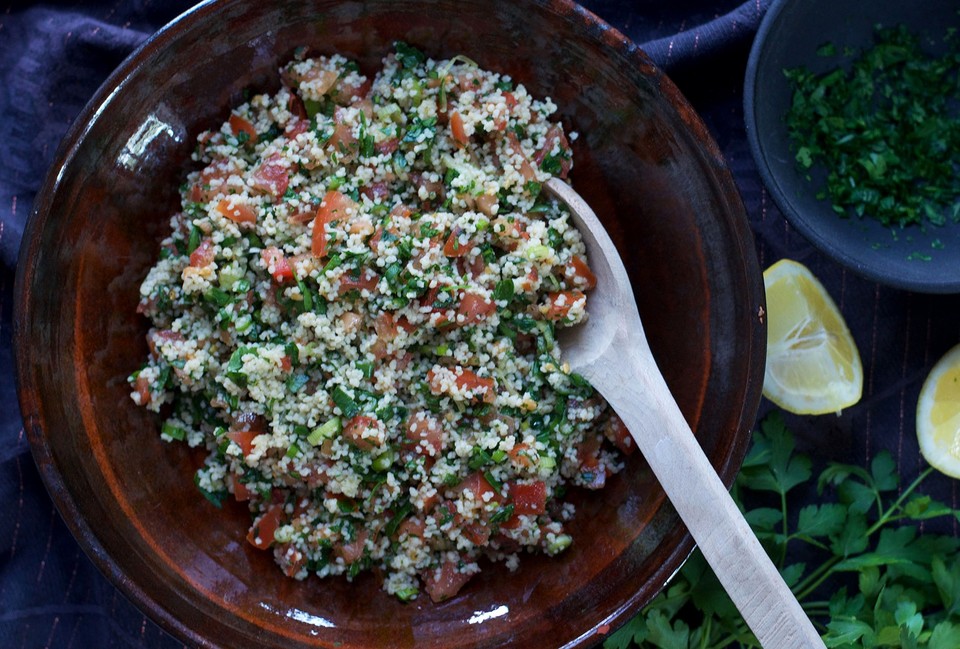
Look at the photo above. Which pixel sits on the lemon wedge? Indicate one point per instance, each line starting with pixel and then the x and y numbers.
pixel 938 415
pixel 813 366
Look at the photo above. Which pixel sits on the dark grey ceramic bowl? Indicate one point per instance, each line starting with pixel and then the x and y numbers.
pixel 919 259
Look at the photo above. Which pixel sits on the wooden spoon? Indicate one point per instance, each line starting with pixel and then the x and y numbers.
pixel 611 351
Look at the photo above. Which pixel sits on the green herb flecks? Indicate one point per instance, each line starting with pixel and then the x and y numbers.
pixel 885 128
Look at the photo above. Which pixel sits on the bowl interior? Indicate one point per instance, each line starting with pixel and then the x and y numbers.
pixel 644 162
pixel 917 258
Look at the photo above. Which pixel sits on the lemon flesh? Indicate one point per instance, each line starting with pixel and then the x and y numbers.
pixel 813 366
pixel 938 415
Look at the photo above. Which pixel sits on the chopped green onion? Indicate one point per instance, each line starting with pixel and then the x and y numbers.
pixel 383 461
pixel 345 402
pixel 173 432
pixel 538 252
pixel 558 544
pixel 326 431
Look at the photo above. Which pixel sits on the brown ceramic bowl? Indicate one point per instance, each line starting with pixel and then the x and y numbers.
pixel 644 161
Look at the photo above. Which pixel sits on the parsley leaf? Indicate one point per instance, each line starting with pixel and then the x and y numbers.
pixel 860 532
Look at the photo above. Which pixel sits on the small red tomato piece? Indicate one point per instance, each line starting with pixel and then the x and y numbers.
pixel 242 125
pixel 203 255
pixel 456 128
pixel 334 207
pixel 454 247
pixel 243 439
pixel 366 280
pixel 236 212
pixel 474 309
pixel 559 303
pixel 444 582
pixel 354 431
pixel 271 176
pixel 353 550
pixel 273 258
pixel 426 432
pixel 579 268
pixel 529 498
pixel 261 534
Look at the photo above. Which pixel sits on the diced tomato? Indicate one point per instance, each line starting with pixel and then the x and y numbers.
pixel 579 268
pixel 296 107
pixel 486 203
pixel 290 559
pixel 484 388
pixel 430 297
pixel 474 309
pixel 243 439
pixel 242 125
pixel 334 207
pixel 240 490
pixel 526 170
pixel 509 99
pixel 342 140
pixel 430 502
pixel 236 212
pixel 559 303
pixel 355 428
pixel 470 381
pixel 367 280
pixel 478 485
pixel 271 176
pixel 296 127
pixel 385 326
pixel 444 582
pixel 520 455
pixel 473 266
pixel 457 130
pixel 529 498
pixel 554 135
pixel 376 191
pixel 426 432
pixel 477 533
pixel 432 187
pixel 320 80
pixel 412 526
pixel 304 214
pixel 616 431
pixel 274 258
pixel 261 534
pixel 211 179
pixel 404 323
pixel 156 337
pixel 352 551
pixel 387 146
pixel 142 386
pixel 454 247
pixel 203 255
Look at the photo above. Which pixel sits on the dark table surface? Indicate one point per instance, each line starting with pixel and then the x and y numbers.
pixel 53 55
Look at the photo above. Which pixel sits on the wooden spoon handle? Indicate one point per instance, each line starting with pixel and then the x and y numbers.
pixel 726 540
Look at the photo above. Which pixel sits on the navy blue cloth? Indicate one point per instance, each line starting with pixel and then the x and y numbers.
pixel 53 56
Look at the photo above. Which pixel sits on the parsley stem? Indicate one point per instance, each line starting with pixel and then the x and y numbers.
pixel 705 637
pixel 786 531
pixel 885 518
pixel 815 578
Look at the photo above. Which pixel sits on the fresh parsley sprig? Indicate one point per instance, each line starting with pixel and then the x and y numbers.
pixel 856 561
